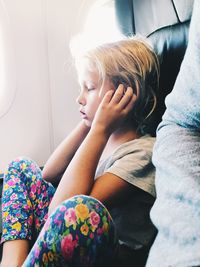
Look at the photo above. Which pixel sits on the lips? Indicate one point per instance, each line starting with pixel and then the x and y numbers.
pixel 83 115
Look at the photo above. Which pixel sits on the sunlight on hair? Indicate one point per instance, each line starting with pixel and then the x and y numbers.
pixel 101 22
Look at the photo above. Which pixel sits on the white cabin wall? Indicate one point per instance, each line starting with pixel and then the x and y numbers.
pixel 44 110
pixel 64 20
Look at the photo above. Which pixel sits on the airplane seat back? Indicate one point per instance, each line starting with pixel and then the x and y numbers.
pixel 165 23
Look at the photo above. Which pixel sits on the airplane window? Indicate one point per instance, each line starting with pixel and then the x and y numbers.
pixel 101 21
pixel 100 27
pixel 7 67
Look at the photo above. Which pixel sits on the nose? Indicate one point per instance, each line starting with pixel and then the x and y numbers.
pixel 81 99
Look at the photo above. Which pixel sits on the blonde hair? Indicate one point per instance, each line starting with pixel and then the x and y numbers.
pixel 133 63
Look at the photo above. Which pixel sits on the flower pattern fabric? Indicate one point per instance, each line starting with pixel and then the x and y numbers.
pixel 80 232
pixel 25 200
pixel 72 236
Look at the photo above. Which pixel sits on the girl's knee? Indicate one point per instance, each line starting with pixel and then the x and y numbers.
pixel 86 209
pixel 21 163
pixel 87 223
pixel 86 215
pixel 19 166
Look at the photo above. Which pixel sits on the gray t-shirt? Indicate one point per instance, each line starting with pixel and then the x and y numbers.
pixel 131 161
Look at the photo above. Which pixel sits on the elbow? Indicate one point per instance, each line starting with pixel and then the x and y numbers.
pixel 45 175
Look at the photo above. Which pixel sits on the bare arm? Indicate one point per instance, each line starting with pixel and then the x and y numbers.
pixel 79 176
pixel 111 189
pixel 61 157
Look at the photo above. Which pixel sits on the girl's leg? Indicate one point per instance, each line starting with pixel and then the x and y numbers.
pixel 14 253
pixel 79 233
pixel 25 200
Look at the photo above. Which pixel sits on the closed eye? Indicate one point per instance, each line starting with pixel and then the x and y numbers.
pixel 90 89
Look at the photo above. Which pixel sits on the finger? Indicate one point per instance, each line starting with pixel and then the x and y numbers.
pixel 118 94
pixel 131 104
pixel 108 96
pixel 128 97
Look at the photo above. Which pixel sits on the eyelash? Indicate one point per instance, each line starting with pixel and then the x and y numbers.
pixel 90 89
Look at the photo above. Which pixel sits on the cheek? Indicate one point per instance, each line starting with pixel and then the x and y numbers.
pixel 94 103
pixel 94 106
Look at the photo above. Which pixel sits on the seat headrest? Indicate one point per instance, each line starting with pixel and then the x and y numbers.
pixel 165 23
pixel 147 16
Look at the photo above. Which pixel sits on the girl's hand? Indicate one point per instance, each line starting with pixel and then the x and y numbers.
pixel 113 109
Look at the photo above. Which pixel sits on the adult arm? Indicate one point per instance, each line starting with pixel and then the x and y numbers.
pixel 177 160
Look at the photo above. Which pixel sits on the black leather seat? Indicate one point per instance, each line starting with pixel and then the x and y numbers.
pixel 165 23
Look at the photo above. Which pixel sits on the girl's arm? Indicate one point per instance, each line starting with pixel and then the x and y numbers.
pixel 79 176
pixel 111 190
pixel 61 157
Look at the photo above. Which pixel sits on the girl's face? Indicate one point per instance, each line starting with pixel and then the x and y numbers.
pixel 91 93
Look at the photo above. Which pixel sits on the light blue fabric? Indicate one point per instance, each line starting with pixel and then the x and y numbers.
pixel 176 156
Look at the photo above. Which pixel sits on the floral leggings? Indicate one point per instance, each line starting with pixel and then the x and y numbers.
pixel 80 232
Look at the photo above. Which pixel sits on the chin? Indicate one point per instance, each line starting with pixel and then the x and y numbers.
pixel 88 123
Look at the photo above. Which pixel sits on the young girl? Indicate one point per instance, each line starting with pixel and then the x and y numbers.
pixel 106 162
